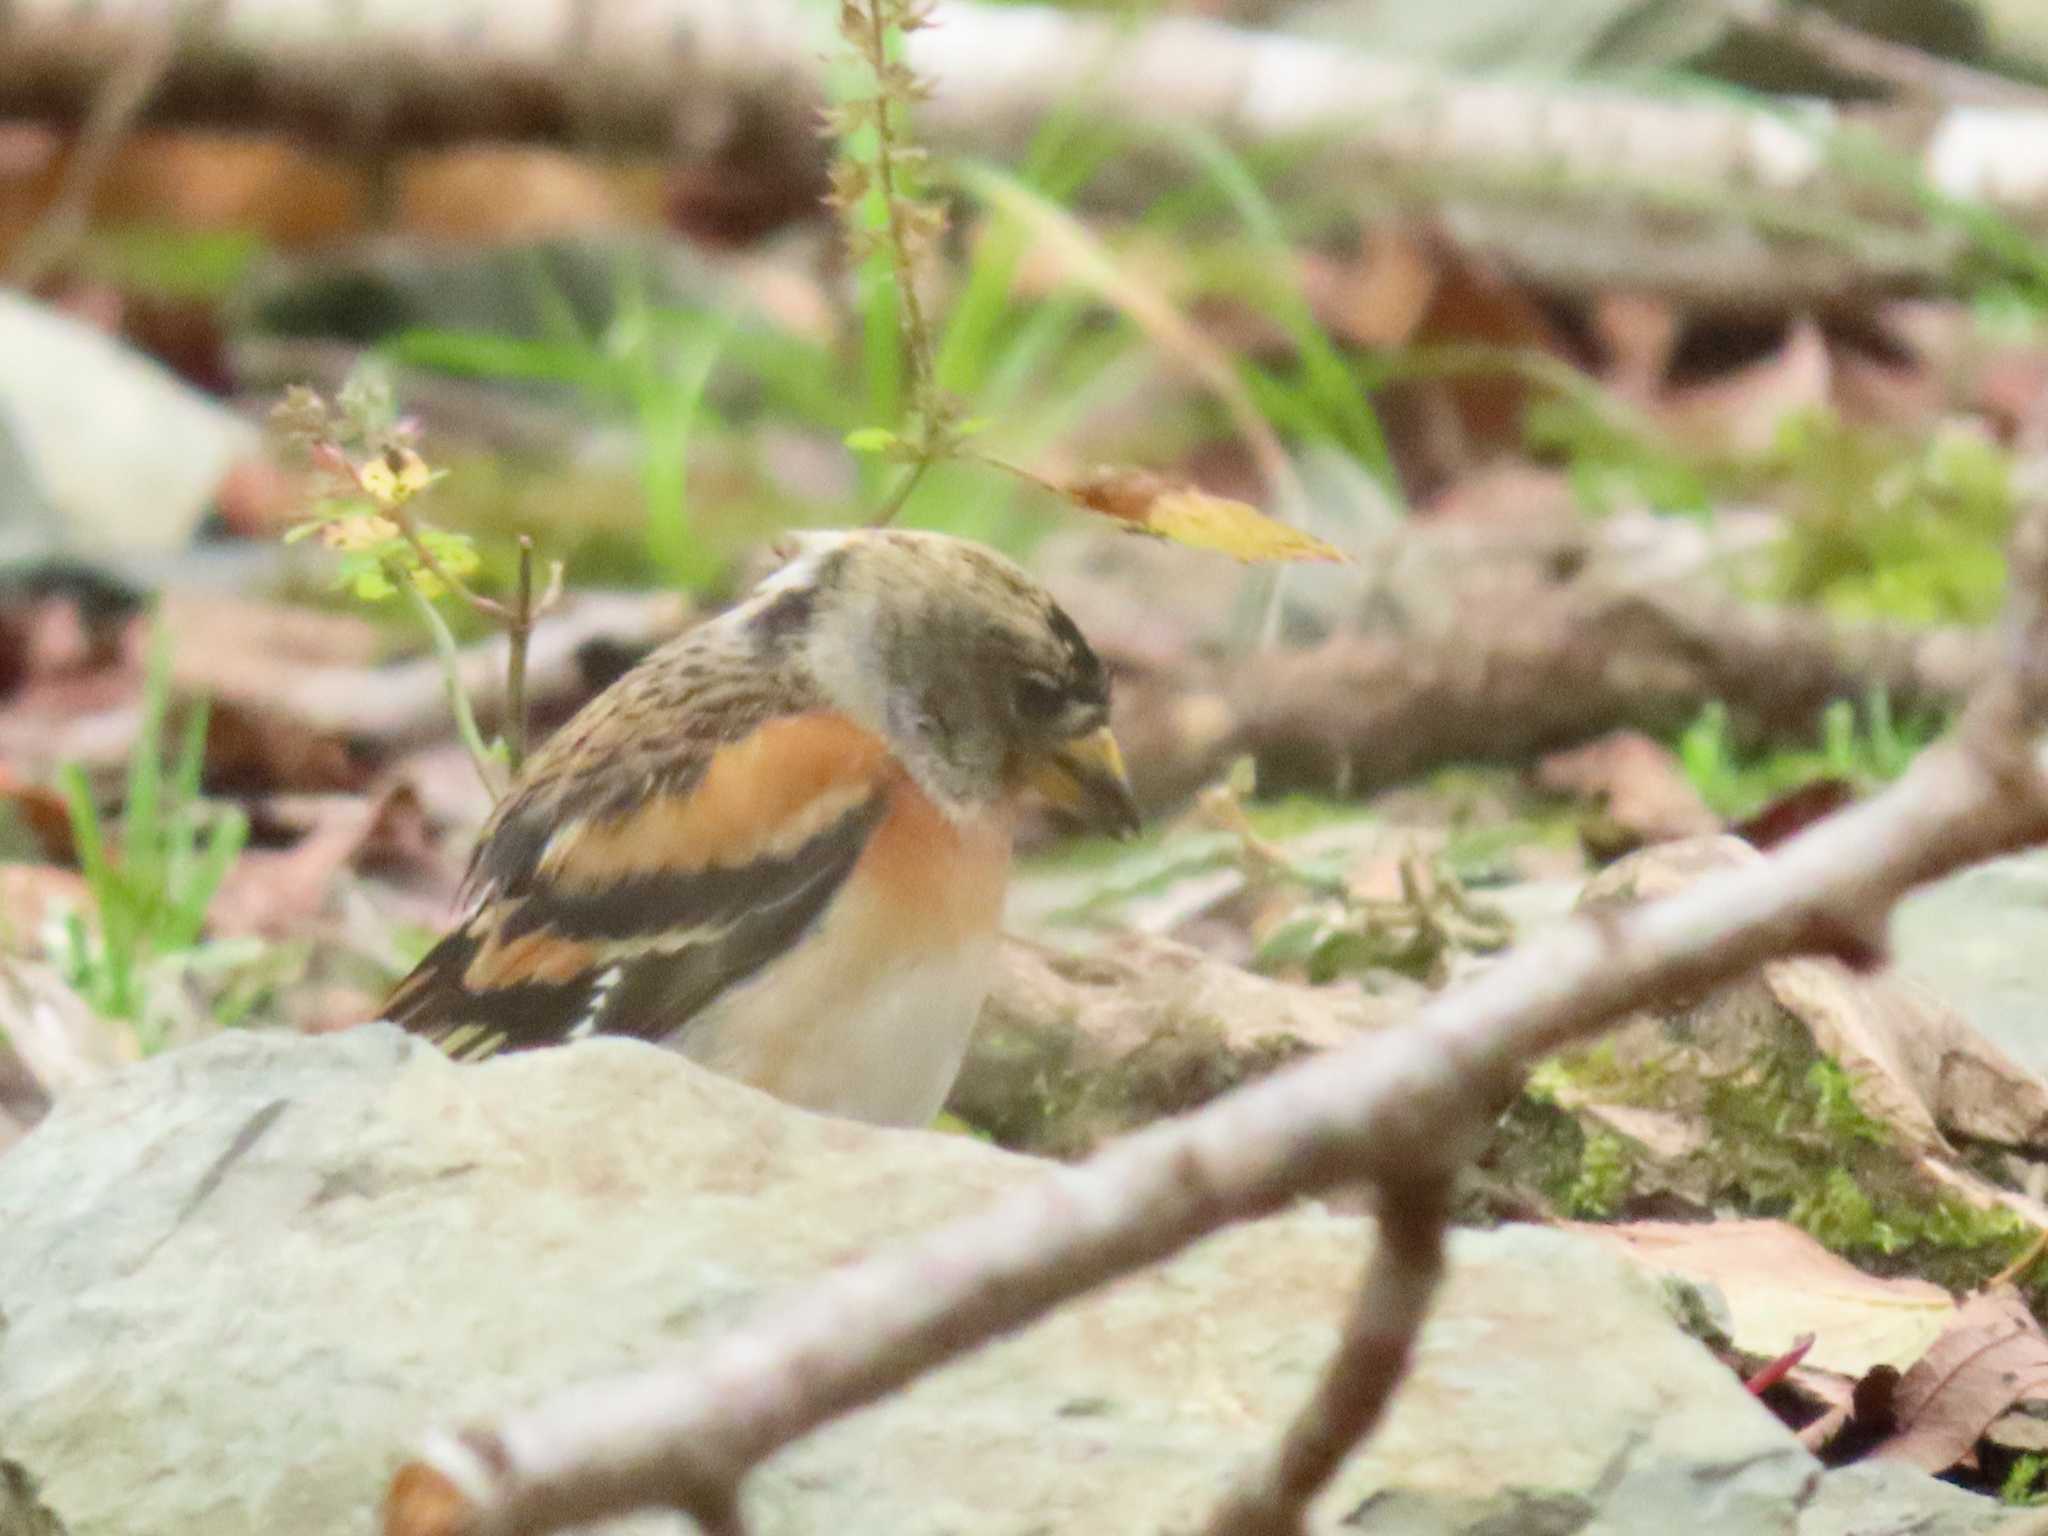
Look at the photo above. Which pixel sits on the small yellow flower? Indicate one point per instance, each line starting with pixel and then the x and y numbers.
pixel 411 470
pixel 380 480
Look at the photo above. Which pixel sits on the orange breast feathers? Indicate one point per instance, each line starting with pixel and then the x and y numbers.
pixel 941 881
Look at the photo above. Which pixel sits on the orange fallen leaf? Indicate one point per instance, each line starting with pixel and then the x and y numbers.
pixel 423 1502
pixel 1151 503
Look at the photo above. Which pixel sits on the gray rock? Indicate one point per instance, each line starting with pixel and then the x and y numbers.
pixel 1888 1498
pixel 1976 940
pixel 238 1280
pixel 102 451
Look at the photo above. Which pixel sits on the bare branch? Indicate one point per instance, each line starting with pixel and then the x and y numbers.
pixel 1379 1340
pixel 115 110
pixel 1575 187
pixel 1394 1109
pixel 1907 69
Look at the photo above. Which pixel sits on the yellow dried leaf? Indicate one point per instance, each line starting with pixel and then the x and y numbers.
pixel 1151 503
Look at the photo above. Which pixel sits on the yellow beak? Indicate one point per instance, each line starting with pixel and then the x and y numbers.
pixel 1086 776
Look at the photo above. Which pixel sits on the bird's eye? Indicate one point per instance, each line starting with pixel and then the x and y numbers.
pixel 1039 702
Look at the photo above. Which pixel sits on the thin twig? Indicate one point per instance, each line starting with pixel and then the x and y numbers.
pixel 409 525
pixel 517 634
pixel 1396 1108
pixel 1909 70
pixel 1379 1338
pixel 2027 1258
pixel 115 111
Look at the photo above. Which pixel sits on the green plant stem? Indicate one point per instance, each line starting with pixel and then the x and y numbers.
pixel 917 341
pixel 451 674
pixel 409 525
pixel 901 494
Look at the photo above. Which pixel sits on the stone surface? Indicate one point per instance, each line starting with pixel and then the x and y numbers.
pixel 1976 939
pixel 102 451
pixel 1888 1498
pixel 238 1280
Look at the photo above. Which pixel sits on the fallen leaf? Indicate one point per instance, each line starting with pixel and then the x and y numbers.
pixel 40 812
pixel 1379 297
pixel 1991 1355
pixel 1914 1061
pixel 1740 412
pixel 1863 1417
pixel 271 892
pixel 1151 503
pixel 1781 1284
pixel 54 1032
pixel 1510 492
pixel 1637 333
pixel 255 748
pixel 1793 812
pixel 2020 1432
pixel 1639 785
pixel 1865 1024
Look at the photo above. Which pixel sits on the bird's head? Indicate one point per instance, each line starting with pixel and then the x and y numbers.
pixel 964 664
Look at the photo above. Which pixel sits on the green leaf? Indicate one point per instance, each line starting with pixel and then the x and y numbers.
pixel 872 440
pixel 372 585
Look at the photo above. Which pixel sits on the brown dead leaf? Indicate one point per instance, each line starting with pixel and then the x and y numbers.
pixel 1902 1046
pixel 1151 503
pixel 1740 412
pixel 1639 786
pixel 243 647
pixel 423 1502
pixel 1379 298
pixel 256 749
pixel 1991 1355
pixel 517 192
pixel 1531 496
pixel 1637 333
pixel 273 892
pixel 1477 304
pixel 1793 812
pixel 1780 1284
pixel 39 811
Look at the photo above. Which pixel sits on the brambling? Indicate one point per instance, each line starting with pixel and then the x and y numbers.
pixel 780 843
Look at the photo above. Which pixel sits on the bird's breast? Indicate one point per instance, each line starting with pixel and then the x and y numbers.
pixel 869 1015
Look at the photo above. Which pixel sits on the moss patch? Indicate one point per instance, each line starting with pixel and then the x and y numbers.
pixel 1785 1138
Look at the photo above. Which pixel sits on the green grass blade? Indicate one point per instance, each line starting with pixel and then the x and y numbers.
pixel 187 918
pixel 482 355
pixel 668 412
pixel 142 814
pixel 1331 382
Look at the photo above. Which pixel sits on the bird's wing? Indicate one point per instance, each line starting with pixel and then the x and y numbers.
pixel 629 918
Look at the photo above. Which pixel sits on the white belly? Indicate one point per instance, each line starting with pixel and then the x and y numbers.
pixel 880 1044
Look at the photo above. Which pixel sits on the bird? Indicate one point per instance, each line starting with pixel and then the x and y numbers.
pixel 780 844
